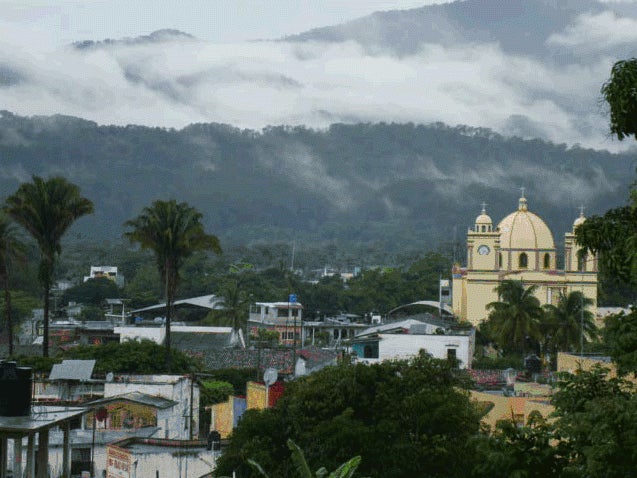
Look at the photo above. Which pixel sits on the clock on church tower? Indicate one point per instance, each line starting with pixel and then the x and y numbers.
pixel 481 243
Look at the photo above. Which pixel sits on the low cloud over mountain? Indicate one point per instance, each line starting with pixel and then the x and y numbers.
pixel 531 68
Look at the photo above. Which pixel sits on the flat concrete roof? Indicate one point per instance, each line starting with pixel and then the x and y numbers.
pixel 41 417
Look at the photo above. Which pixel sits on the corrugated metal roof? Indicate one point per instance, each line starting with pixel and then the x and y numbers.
pixel 73 370
pixel 208 301
pixel 138 397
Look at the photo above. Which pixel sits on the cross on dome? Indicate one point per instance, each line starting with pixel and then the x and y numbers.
pixel 522 205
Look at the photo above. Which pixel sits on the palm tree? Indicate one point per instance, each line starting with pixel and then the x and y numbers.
pixel 569 322
pixel 11 248
pixel 516 317
pixel 173 232
pixel 235 300
pixel 46 208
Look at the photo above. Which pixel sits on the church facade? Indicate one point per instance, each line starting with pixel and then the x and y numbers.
pixel 520 247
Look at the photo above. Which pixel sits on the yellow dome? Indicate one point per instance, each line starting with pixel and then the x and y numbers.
pixel 483 219
pixel 580 220
pixel 523 229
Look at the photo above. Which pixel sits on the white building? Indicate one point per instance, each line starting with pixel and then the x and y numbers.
pixel 405 339
pixel 172 421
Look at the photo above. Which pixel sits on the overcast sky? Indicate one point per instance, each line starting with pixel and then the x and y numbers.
pixel 222 77
pixel 64 21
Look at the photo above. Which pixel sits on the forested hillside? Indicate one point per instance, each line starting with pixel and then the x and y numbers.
pixel 392 186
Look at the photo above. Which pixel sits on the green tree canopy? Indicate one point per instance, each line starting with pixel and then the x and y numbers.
pixel 620 337
pixel 134 357
pixel 614 237
pixel 620 92
pixel 93 291
pixel 591 434
pixel 569 324
pixel 46 208
pixel 404 419
pixel 516 317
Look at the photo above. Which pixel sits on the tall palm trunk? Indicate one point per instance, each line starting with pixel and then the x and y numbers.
pixel 7 309
pixel 45 337
pixel 170 293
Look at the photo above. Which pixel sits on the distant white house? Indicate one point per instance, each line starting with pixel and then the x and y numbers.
pixel 404 339
pixel 285 318
pixel 110 272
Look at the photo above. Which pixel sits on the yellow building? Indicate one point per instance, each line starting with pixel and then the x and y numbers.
pixel 520 247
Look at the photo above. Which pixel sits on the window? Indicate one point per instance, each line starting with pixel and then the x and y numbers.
pixel 547 261
pixel 581 260
pixel 452 357
pixel 287 336
pixel 499 260
pixel 370 350
pixel 523 261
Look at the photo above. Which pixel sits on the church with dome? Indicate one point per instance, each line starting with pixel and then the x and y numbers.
pixel 521 248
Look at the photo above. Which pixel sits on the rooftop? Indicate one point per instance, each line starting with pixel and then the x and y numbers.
pixel 41 417
pixel 137 397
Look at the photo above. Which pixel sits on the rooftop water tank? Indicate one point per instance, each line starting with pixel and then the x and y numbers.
pixel 15 390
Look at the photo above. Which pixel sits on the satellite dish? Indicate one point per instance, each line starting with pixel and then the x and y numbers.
pixel 109 377
pixel 270 375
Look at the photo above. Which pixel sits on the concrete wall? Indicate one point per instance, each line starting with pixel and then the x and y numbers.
pixel 222 417
pixel 571 363
pixel 507 408
pixel 256 395
pixel 402 346
pixel 185 459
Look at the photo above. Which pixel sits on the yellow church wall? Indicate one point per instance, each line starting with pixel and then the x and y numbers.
pixel 479 295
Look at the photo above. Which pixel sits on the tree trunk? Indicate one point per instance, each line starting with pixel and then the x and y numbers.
pixel 170 290
pixel 7 310
pixel 45 338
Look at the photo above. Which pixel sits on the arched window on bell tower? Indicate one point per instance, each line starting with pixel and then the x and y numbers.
pixel 523 261
pixel 547 261
pixel 581 260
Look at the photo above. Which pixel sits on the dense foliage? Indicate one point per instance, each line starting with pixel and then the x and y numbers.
pixel 131 357
pixel 373 188
pixel 620 336
pixel 403 419
pixel 518 324
pixel 591 434
pixel 620 92
pixel 92 292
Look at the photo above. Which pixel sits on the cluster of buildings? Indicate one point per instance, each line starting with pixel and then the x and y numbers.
pixel 124 426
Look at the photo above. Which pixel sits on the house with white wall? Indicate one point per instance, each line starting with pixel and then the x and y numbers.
pixel 177 397
pixel 404 340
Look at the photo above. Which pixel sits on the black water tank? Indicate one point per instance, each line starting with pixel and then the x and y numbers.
pixel 15 390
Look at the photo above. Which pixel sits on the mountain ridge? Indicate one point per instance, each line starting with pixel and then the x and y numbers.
pixel 394 185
